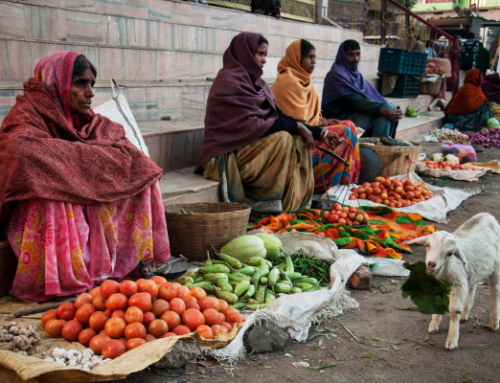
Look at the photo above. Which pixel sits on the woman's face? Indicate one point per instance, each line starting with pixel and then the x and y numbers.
pixel 82 92
pixel 261 54
pixel 308 62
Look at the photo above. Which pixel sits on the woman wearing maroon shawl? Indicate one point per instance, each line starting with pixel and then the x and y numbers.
pixel 261 155
pixel 491 87
pixel 81 201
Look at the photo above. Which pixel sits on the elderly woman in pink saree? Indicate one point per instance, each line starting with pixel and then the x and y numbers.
pixel 81 201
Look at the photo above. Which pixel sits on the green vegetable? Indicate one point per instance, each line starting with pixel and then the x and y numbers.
pixel 282 288
pixel 237 277
pixel 250 292
pixel 198 279
pixel 259 274
pixel 256 261
pixel 411 112
pixel 311 267
pixel 289 268
pixel 269 297
pixel 224 285
pixel 272 243
pixel 226 296
pixel 238 305
pixel 217 268
pixel 295 290
pixel 273 277
pixel 254 307
pixel 233 262
pixel 203 284
pixel 193 273
pixel 248 270
pixel 260 295
pixel 183 280
pixel 264 281
pixel 312 281
pixel 285 282
pixel 245 247
pixel 304 286
pixel 241 288
pixel 214 277
pixel 322 366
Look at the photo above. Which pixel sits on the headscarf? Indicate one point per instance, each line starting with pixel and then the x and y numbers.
pixel 241 106
pixel 491 87
pixel 294 91
pixel 345 79
pixel 46 152
pixel 469 96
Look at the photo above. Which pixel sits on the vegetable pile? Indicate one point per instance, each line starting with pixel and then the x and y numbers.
pixel 450 135
pixel 18 339
pixel 117 317
pixel 393 192
pixel 446 165
pixel 85 360
pixel 346 215
pixel 411 112
pixel 487 138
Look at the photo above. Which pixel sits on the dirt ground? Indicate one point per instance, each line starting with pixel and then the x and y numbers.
pixel 417 357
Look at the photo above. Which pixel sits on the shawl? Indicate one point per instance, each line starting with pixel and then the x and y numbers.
pixel 294 91
pixel 344 79
pixel 241 106
pixel 491 87
pixel 469 96
pixel 46 152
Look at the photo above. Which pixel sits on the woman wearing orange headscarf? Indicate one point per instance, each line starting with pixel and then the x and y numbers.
pixel 297 97
pixel 469 109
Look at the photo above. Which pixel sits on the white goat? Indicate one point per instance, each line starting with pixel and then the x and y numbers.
pixel 465 258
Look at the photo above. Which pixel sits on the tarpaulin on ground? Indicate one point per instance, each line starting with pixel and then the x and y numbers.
pixel 383 237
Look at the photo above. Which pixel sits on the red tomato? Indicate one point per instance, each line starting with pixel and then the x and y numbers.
pixel 117 314
pixel 158 327
pixel 191 299
pixel 98 320
pixel 115 327
pixel 141 300
pixel 333 218
pixel 410 195
pixel 86 336
pixel 210 303
pixel 95 291
pixel 223 305
pixel 211 317
pixel 148 286
pixel 219 330
pixel 99 302
pixel 167 291
pixel 66 311
pixel 134 343
pixel 108 312
pixel 159 307
pixel 158 280
pixel 123 340
pixel 133 315
pixel 135 330
pixel 235 318
pixel 229 311
pixel 193 306
pixel 181 330
pixel 193 318
pixel 128 288
pixel 183 293
pixel 117 301
pixel 54 327
pixel 148 318
pixel 205 332
pixel 109 287
pixel 51 314
pixel 179 306
pixel 168 335
pixel 98 342
pixel 82 299
pixel 228 326
pixel 113 349
pixel 150 338
pixel 71 330
pixel 172 318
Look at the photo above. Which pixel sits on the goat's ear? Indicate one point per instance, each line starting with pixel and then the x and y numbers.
pixel 418 241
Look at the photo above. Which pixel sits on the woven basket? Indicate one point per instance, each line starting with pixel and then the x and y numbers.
pixel 192 235
pixel 431 88
pixel 408 158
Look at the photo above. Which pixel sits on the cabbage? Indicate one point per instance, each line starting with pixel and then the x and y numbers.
pixel 437 157
pixel 273 245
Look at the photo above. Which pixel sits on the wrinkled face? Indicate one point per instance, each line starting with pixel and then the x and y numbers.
pixel 82 92
pixel 261 54
pixel 308 62
pixel 354 56
pixel 440 246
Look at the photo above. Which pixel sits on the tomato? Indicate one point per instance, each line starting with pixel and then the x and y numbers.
pixel 141 300
pixel 150 338
pixel 222 318
pixel 66 311
pixel 410 195
pixel 71 330
pixel 128 288
pixel 183 293
pixel 135 330
pixel 179 306
pixel 54 327
pixel 158 327
pixel 133 315
pixel 134 343
pixel 228 326
pixel 102 332
pixel 167 291
pixel 205 332
pixel 193 318
pixel 193 306
pixel 211 317
pixel 159 307
pixel 219 330
pixel 115 327
pixel 148 318
pixel 235 318
pixel 82 299
pixel 99 302
pixel 191 299
pixel 98 320
pixel 181 330
pixel 229 311
pixel 51 314
pixel 117 314
pixel 148 286
pixel 95 291
pixel 98 342
pixel 168 335
pixel 209 303
pixel 86 336
pixel 108 312
pixel 333 218
pixel 113 349
pixel 171 318
pixel 158 280
pixel 109 287
pixel 117 301
pixel 123 340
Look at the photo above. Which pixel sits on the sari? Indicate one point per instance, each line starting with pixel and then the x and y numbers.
pixel 84 202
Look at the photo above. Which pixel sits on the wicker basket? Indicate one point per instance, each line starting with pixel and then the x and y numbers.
pixel 192 235
pixel 431 88
pixel 408 158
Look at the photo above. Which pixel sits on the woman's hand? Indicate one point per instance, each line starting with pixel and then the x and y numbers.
pixel 306 135
pixel 332 140
pixel 328 122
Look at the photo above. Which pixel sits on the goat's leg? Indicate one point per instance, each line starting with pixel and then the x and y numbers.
pixel 495 301
pixel 469 301
pixel 434 325
pixel 457 300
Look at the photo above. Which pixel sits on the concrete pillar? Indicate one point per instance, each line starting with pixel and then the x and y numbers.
pixel 318 11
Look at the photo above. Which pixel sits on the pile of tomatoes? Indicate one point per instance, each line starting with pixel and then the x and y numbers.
pixel 446 165
pixel 393 192
pixel 117 317
pixel 346 215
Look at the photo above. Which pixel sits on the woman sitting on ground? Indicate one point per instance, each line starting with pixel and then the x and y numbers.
pixel 82 202
pixel 261 155
pixel 469 109
pixel 491 87
pixel 297 97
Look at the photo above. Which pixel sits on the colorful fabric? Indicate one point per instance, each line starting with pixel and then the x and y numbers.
pixel 47 153
pixel 241 106
pixel 383 237
pixel 491 87
pixel 272 175
pixel 329 171
pixel 344 79
pixel 63 248
pixel 294 91
pixel 469 96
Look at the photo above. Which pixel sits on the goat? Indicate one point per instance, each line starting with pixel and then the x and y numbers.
pixel 465 258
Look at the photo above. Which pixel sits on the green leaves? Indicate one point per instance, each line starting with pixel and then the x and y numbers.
pixel 425 290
